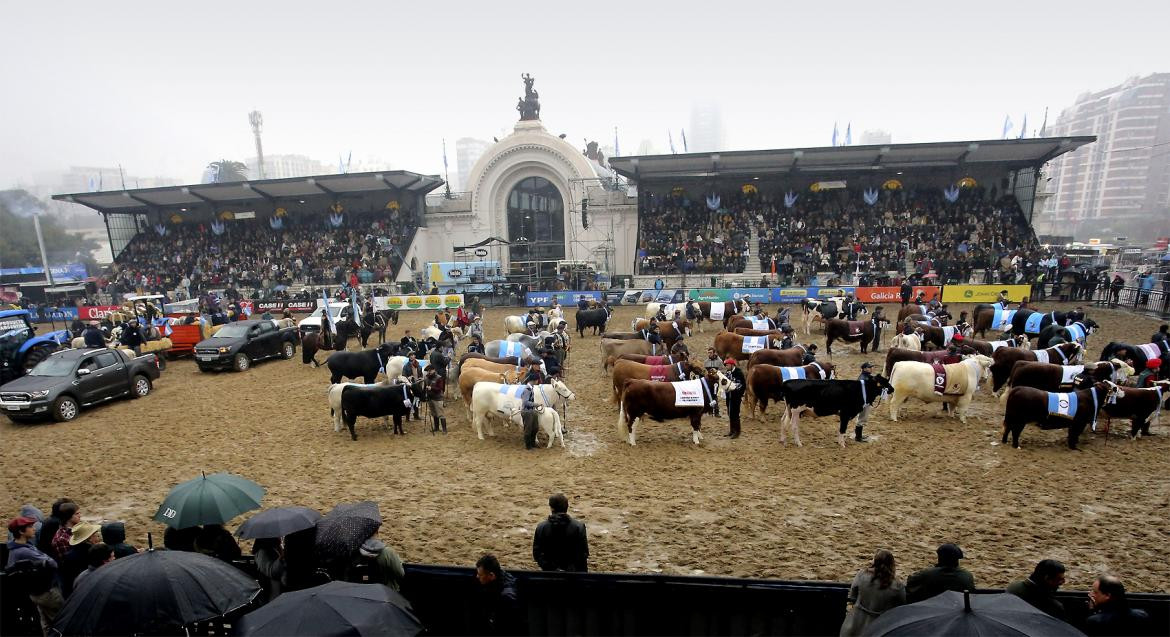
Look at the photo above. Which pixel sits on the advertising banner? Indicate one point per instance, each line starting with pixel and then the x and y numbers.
pixel 54 314
pixel 61 273
pixel 983 293
pixel 729 294
pixel 795 295
pixel 417 301
pixel 893 294
pixel 564 297
pixel 280 306
pixel 95 312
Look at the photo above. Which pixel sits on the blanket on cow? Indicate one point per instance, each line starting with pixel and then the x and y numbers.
pixel 1042 355
pixel 716 313
pixel 950 380
pixel 1078 332
pixel 1032 324
pixel 1062 405
pixel 689 393
pixel 754 344
pixel 515 391
pixel 792 373
pixel 998 344
pixel 762 324
pixel 659 372
pixel 1001 319
pixel 856 327
pixel 949 334
pixel 509 349
pixel 1151 350
pixel 1070 372
pixel 656 360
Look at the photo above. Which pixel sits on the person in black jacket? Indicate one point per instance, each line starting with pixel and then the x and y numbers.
pixel 500 609
pixel 133 336
pixel 1111 614
pixel 93 336
pixel 734 396
pixel 561 543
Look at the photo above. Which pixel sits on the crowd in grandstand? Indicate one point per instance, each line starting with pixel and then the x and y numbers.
pixel 191 258
pixel 678 235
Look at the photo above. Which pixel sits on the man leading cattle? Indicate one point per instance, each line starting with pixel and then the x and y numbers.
pixel 528 413
pixel 734 396
pixel 863 417
pixel 435 389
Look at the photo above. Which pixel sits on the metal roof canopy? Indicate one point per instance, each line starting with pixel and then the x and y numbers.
pixel 254 192
pixel 1010 153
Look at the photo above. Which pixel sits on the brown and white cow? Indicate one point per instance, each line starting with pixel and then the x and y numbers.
pixel 647 398
pixel 1054 378
pixel 918 380
pixel 624 370
pixel 866 331
pixel 666 329
pixel 729 345
pixel 764 381
pixel 1005 358
pixel 473 375
pixel 791 357
pixel 1030 405
pixel 615 348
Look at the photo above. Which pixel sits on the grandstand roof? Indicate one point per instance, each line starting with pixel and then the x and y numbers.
pixel 258 191
pixel 1009 153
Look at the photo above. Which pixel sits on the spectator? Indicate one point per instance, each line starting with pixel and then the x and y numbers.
pixel 93 336
pixel 98 555
pixel 76 559
pixel 48 533
pixel 1111 614
pixel 271 565
pixel 561 543
pixel 30 511
pixel 70 516
pixel 385 567
pixel 1040 588
pixel 713 361
pixel 1162 336
pixel 216 541
pixel 33 572
pixel 114 534
pixel 133 336
pixel 946 575
pixel 500 609
pixel 874 591
pixel 180 539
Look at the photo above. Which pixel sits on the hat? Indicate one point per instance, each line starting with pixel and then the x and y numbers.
pixel 372 547
pixel 958 337
pixel 82 532
pixel 18 523
pixel 1154 363
pixel 867 365
pixel 730 361
pixel 949 552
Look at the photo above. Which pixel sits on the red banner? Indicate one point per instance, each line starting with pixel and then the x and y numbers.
pixel 95 312
pixel 893 294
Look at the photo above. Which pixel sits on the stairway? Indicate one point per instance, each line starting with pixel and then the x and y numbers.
pixel 752 269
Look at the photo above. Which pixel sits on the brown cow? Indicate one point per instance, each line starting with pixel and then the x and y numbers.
pixel 645 359
pixel 939 336
pixel 747 331
pixel 1138 404
pixel 748 322
pixel 912 310
pixel 480 363
pixel 1050 377
pixel 729 345
pixel 624 370
pixel 656 401
pixel 764 381
pixel 1027 404
pixel 1006 357
pixel 854 331
pixel 666 327
pixel 473 375
pixel 508 359
pixel 791 357
pixel 615 348
pixel 987 348
pixel 898 354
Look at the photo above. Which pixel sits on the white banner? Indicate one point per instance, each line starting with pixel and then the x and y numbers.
pixel 689 393
pixel 418 301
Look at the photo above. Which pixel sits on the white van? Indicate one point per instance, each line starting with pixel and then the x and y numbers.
pixel 312 323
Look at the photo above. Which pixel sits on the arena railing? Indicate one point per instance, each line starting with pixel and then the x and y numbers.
pixel 1155 302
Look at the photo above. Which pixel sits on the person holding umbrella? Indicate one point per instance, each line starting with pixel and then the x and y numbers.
pixel 874 590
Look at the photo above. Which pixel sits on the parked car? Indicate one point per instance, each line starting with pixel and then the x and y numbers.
pixel 20 348
pixel 70 379
pixel 238 345
pixel 340 312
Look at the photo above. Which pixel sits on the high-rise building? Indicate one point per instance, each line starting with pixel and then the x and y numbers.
pixel 706 131
pixel 282 166
pixel 467 151
pixel 874 137
pixel 1121 183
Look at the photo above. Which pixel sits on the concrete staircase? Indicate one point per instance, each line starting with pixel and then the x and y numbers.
pixel 752 269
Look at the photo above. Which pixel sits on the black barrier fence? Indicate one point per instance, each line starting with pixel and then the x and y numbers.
pixel 1153 302
pixel 445 598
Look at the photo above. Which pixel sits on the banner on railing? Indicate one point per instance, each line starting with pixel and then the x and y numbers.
pixel 282 305
pixel 728 294
pixel 796 294
pixel 564 297
pixel 417 301
pixel 983 293
pixel 95 312
pixel 893 294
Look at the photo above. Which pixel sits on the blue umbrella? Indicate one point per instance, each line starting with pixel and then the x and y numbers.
pixel 209 499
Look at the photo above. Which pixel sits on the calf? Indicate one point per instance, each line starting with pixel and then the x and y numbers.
pixel 764 381
pixel 854 331
pixel 473 375
pixel 375 401
pixel 1005 357
pixel 365 364
pixel 548 421
pixel 844 398
pixel 1029 405
pixel 1139 404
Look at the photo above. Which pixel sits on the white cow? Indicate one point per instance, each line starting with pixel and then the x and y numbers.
pixel 516 324
pixel 487 403
pixel 434 332
pixel 907 341
pixel 548 420
pixel 812 310
pixel 555 315
pixel 914 379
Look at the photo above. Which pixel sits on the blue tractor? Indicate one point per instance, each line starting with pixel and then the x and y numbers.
pixel 20 348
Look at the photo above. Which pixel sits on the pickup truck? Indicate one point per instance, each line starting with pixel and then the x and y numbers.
pixel 73 378
pixel 237 345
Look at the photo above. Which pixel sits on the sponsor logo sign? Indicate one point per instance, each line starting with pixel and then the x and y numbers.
pixel 95 312
pixel 983 293
pixel 564 297
pixel 893 294
pixel 417 301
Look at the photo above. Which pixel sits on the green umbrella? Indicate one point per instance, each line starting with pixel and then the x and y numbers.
pixel 209 499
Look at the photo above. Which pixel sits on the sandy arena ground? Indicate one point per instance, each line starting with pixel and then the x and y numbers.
pixel 746 507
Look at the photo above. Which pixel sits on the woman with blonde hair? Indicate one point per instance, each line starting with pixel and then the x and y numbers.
pixel 874 591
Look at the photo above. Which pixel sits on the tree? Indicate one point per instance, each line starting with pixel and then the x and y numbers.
pixel 18 242
pixel 226 170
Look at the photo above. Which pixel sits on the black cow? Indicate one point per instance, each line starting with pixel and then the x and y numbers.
pixel 364 364
pixel 846 398
pixel 592 318
pixel 1136 354
pixel 1057 330
pixel 376 401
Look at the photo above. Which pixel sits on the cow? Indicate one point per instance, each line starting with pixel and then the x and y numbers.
pixel 624 370
pixel 506 349
pixel 366 364
pixel 987 348
pixel 516 324
pixel 547 420
pixel 1005 357
pixel 1053 378
pixel 691 310
pixel 853 331
pixel 921 309
pixel 489 403
pixel 656 400
pixel 668 359
pixel 1078 331
pixel 311 343
pixel 592 318
pixel 671 332
pixel 616 348
pixel 747 331
pixel 897 355
pixel 531 342
pixel 1139 404
pixel 834 307
pixel 920 380
pixel 1029 405
pixel 938 336
pixel 764 381
pixel 473 375
pixel 1022 321
pixel 730 309
pixel 1138 354
pixel 843 398
pixel 729 345
pixel 791 357
pixel 911 341
pixel 752 323
pixel 375 401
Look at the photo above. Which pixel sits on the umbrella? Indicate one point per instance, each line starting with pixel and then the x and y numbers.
pixel 278 522
pixel 209 499
pixel 152 591
pixel 1166 257
pixel 336 608
pixel 959 614
pixel 343 530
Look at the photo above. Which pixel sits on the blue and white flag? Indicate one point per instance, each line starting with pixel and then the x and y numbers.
pixel 834 133
pixel 328 314
pixel 849 134
pixel 670 138
pixel 164 325
pixel 1007 126
pixel 1062 405
pixel 357 310
pixel 754 344
pixel 1024 128
pixel 510 348
pixel 684 139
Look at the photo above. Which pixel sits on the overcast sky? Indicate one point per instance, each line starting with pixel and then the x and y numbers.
pixel 163 88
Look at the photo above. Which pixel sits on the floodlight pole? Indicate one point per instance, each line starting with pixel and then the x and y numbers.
pixel 41 243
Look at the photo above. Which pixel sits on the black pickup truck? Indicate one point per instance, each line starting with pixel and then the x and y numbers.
pixel 73 378
pixel 237 345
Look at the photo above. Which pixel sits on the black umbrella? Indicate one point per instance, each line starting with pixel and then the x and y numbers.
pixel 961 614
pixel 152 592
pixel 278 522
pixel 334 609
pixel 343 530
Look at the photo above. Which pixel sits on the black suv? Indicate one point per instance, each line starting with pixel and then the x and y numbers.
pixel 69 379
pixel 237 345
